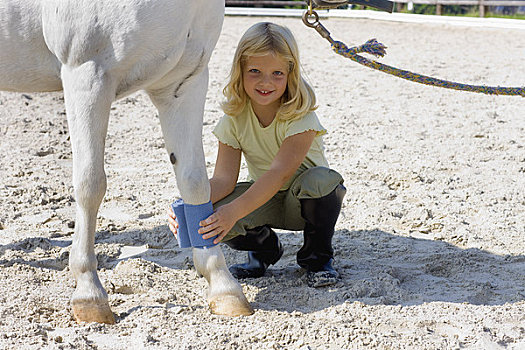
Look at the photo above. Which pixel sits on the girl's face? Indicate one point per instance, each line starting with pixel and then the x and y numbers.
pixel 265 79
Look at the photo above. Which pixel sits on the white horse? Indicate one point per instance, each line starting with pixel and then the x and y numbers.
pixel 98 51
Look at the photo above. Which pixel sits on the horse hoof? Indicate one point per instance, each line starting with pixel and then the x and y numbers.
pixel 229 305
pixel 93 312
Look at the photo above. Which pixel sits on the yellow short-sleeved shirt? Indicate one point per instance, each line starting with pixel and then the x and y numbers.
pixel 260 145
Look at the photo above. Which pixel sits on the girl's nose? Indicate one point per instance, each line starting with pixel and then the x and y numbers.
pixel 266 79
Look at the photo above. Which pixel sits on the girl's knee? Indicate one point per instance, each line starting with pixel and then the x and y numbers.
pixel 316 182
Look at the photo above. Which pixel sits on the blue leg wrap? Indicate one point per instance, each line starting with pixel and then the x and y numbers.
pixel 182 233
pixel 195 214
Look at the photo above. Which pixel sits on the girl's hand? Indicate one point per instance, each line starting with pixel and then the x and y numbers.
pixel 219 223
pixel 172 222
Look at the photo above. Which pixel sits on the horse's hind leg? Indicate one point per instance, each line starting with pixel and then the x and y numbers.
pixel 88 95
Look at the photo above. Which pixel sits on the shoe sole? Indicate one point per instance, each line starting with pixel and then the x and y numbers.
pixel 319 279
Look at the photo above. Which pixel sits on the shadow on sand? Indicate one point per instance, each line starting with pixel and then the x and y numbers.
pixel 380 268
pixel 377 268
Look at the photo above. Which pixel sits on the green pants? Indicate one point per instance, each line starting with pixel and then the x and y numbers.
pixel 283 211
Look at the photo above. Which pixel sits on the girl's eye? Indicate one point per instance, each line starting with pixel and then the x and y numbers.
pixel 278 72
pixel 253 70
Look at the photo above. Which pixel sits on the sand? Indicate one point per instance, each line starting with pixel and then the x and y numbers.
pixel 430 242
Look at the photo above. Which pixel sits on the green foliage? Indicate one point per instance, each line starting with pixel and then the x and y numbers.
pixel 514 16
pixel 454 10
pixel 445 9
pixel 299 6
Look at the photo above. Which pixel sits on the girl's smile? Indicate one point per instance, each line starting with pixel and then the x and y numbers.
pixel 265 79
pixel 264 92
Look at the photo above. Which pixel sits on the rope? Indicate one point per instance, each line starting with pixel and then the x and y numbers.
pixel 379 50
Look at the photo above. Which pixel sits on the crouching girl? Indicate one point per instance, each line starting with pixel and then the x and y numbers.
pixel 270 120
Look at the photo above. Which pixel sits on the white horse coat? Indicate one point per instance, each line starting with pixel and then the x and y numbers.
pixel 98 51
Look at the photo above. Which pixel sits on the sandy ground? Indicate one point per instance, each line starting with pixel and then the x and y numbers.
pixel 430 243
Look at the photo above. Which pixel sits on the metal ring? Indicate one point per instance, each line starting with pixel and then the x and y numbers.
pixel 313 24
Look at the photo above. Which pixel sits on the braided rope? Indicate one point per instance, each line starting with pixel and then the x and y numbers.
pixel 377 49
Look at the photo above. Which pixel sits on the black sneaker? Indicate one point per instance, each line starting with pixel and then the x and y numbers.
pixel 326 276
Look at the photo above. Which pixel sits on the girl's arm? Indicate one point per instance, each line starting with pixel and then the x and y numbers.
pixel 226 172
pixel 290 156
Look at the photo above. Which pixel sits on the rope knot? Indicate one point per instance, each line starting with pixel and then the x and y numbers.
pixel 373 47
pixel 339 46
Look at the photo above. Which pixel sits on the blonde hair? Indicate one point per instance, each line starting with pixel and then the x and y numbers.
pixel 259 40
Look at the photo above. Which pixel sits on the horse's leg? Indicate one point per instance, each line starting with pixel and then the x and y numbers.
pixel 181 119
pixel 88 95
pixel 225 296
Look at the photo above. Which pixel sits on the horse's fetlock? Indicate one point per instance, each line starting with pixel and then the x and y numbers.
pixel 80 264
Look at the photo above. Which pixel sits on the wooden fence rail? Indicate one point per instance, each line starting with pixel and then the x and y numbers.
pixel 482 4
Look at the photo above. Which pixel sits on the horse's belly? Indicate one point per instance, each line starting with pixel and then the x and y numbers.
pixel 139 44
pixel 135 43
pixel 26 64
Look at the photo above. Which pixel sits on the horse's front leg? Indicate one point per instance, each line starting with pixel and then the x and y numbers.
pixel 181 116
pixel 88 95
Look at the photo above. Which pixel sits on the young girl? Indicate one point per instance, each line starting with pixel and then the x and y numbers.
pixel 269 119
